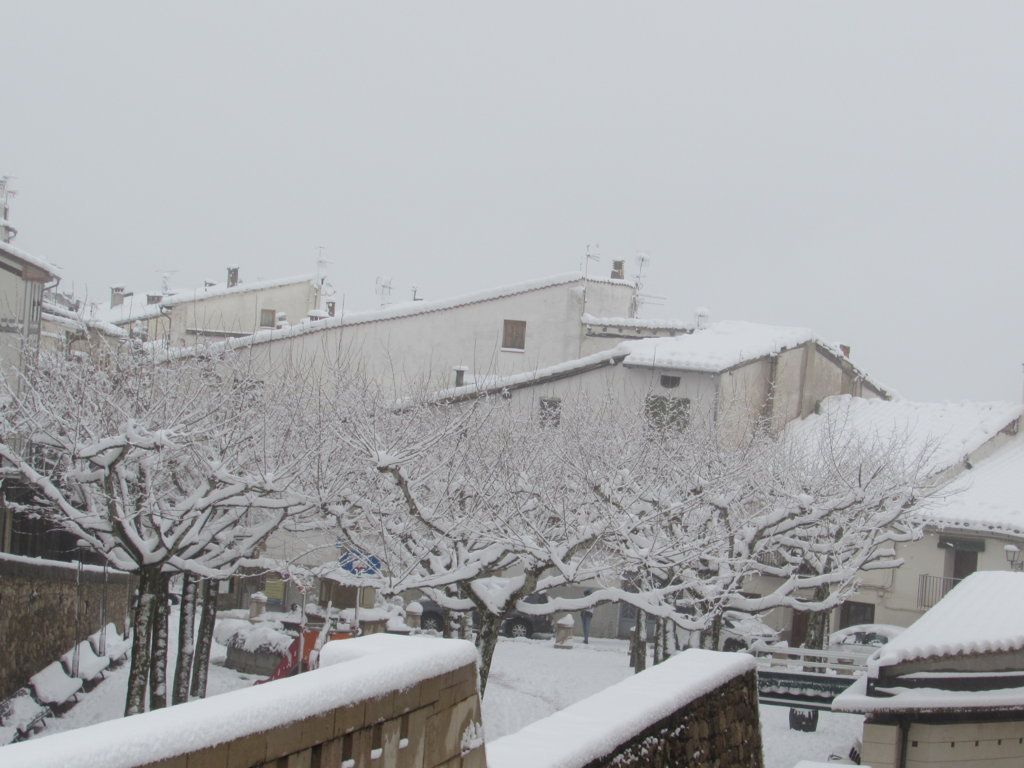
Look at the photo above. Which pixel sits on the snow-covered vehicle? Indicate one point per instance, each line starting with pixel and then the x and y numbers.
pixel 863 639
pixel 741 630
pixel 516 625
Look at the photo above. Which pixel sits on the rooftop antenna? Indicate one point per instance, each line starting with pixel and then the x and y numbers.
pixel 165 280
pixel 383 290
pixel 415 290
pixel 641 299
pixel 7 232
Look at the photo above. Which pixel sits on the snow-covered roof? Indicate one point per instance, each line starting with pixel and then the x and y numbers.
pixel 74 322
pixel 979 615
pixel 989 497
pixel 135 306
pixel 28 258
pixel 720 346
pixel 494 384
pixel 949 432
pixel 921 700
pixel 637 323
pixel 409 309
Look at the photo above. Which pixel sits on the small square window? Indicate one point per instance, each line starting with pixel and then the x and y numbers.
pixel 550 411
pixel 670 382
pixel 663 412
pixel 268 318
pixel 514 335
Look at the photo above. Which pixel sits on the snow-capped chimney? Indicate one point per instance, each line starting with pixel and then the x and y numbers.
pixel 619 269
pixel 153 298
pixel 232 277
pixel 845 349
pixel 701 318
pixel 460 375
pixel 116 295
pixel 330 308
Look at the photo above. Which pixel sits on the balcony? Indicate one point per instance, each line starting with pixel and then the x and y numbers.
pixel 931 589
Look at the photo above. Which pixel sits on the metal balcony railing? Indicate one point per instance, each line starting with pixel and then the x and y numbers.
pixel 931 589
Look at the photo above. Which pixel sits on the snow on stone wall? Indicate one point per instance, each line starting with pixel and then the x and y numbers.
pixel 699 706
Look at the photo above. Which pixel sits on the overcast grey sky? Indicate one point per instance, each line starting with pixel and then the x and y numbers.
pixel 856 168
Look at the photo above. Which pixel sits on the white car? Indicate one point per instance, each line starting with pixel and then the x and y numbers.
pixel 863 639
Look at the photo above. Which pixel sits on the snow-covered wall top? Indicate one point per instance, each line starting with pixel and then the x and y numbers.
pixel 596 726
pixel 979 615
pixel 386 663
pixel 136 308
pixel 716 348
pixel 990 497
pixel 637 323
pixel 28 258
pixel 948 432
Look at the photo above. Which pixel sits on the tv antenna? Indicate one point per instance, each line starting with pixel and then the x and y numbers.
pixel 642 260
pixel 165 280
pixel 383 290
pixel 415 290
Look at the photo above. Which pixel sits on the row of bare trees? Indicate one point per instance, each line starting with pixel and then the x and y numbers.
pixel 187 469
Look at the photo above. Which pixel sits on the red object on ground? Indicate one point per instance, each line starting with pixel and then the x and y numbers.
pixel 289 664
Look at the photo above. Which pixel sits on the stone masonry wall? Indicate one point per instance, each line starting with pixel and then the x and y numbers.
pixel 37 613
pixel 431 725
pixel 718 730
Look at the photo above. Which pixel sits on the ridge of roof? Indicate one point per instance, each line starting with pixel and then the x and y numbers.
pixel 35 261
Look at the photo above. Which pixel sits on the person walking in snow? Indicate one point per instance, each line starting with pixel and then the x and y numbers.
pixel 586 615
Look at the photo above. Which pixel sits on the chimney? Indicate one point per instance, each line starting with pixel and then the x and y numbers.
pixel 232 277
pixel 619 269
pixel 153 298
pixel 845 349
pixel 460 375
pixel 116 295
pixel 330 308
pixel 701 317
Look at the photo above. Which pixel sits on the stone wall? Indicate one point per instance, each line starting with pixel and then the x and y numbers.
pixel 718 730
pixel 380 702
pixel 696 710
pixel 38 604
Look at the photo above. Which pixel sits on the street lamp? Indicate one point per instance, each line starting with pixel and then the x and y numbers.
pixel 1012 552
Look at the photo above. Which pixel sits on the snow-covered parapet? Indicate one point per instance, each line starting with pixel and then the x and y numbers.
pixel 385 664
pixel 598 727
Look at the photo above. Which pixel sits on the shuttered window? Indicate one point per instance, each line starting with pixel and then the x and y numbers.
pixel 514 335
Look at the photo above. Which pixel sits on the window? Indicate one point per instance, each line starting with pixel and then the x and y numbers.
pixel 550 411
pixel 852 612
pixel 663 412
pixel 670 382
pixel 514 335
pixel 268 318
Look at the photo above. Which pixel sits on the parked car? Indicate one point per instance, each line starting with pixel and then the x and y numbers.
pixel 516 625
pixel 862 640
pixel 741 630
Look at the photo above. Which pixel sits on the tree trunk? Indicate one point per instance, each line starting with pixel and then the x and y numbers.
pixel 817 623
pixel 658 629
pixel 142 628
pixel 710 640
pixel 158 660
pixel 639 659
pixel 486 642
pixel 186 640
pixel 208 617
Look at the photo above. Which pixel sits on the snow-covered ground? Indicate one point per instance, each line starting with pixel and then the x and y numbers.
pixel 529 680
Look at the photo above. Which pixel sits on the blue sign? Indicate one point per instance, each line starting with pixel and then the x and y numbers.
pixel 359 563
